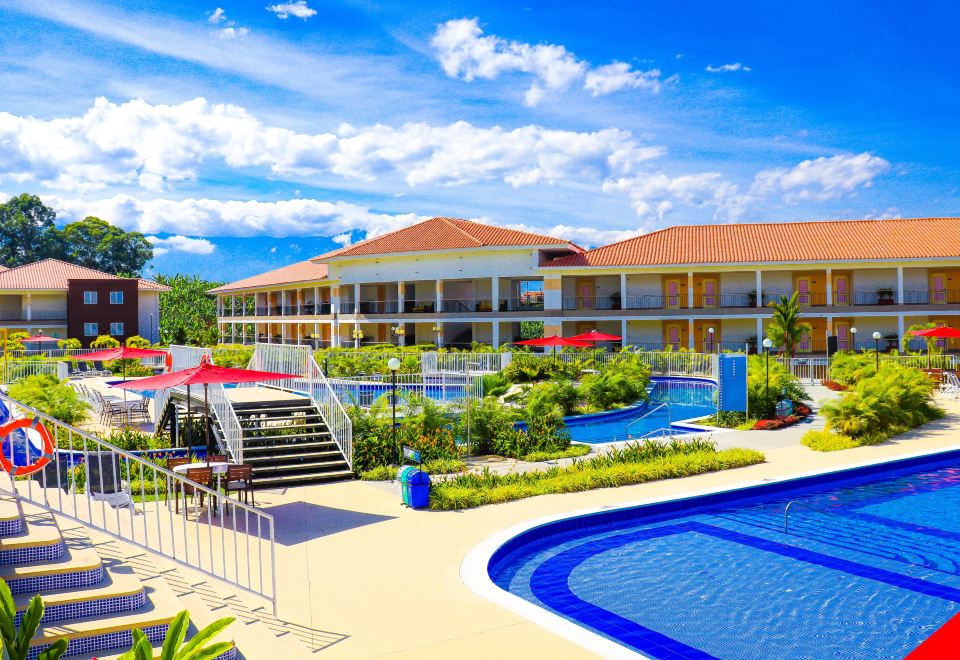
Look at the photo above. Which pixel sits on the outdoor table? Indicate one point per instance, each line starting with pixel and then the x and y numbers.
pixel 216 467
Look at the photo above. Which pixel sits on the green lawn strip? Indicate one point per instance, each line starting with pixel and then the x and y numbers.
pixel 470 490
pixel 438 466
pixel 573 451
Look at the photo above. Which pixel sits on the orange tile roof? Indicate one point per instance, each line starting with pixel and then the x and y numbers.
pixel 787 242
pixel 444 234
pixel 304 271
pixel 53 274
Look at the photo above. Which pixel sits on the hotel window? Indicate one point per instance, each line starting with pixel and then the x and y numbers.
pixel 116 329
pixel 89 297
pixel 116 297
pixel 90 330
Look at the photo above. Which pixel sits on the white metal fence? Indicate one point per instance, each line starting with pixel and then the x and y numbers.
pixel 298 360
pixel 441 387
pixel 127 497
pixel 817 369
pixel 810 370
pixel 12 370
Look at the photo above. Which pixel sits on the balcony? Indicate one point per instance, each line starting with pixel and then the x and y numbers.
pixel 591 303
pixel 378 307
pixel 932 297
pixel 420 306
pixel 528 303
pixel 465 306
pixel 36 315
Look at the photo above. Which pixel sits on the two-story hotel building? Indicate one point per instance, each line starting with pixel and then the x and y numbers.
pixel 704 287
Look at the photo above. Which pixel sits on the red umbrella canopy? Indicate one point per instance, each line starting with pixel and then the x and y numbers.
pixel 204 373
pixel 593 335
pixel 553 341
pixel 39 338
pixel 123 353
pixel 943 332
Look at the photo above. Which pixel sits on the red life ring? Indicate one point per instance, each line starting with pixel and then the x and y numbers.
pixel 48 446
pixel 168 361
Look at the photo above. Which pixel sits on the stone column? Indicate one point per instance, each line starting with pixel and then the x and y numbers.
pixel 900 289
pixel 759 289
pixel 439 294
pixel 829 287
pixel 552 294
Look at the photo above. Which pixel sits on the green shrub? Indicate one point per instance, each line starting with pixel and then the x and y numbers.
pixel 496 384
pixel 438 466
pixel 895 399
pixel 236 356
pixel 783 385
pixel 619 383
pixel 629 466
pixel 828 441
pixel 848 368
pixel 69 344
pixel 105 341
pixel 50 395
pixel 491 425
pixel 573 451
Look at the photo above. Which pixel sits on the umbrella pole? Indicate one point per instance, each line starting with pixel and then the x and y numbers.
pixel 126 408
pixel 206 420
pixel 189 426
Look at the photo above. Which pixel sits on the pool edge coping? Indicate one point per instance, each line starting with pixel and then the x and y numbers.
pixel 474 567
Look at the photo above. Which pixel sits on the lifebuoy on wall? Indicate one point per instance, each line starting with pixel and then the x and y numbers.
pixel 48 446
pixel 168 361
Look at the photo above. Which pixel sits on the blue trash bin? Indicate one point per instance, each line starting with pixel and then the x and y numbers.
pixel 416 488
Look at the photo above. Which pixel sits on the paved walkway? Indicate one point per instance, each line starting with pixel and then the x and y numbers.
pixel 353 561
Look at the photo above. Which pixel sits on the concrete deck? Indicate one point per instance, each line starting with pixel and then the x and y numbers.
pixel 354 561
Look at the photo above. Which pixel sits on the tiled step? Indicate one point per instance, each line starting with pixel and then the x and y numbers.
pixel 302 479
pixel 279 435
pixel 76 568
pixel 117 592
pixel 11 519
pixel 266 471
pixel 114 654
pixel 89 636
pixel 39 539
pixel 270 449
pixel 330 454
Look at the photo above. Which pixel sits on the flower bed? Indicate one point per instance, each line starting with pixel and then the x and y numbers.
pixel 800 412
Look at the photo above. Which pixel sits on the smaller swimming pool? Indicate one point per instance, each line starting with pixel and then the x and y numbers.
pixel 671 400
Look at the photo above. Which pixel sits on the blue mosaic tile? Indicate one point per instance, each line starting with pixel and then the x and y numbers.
pixel 97 643
pixel 90 608
pixel 11 527
pixel 72 580
pixel 35 553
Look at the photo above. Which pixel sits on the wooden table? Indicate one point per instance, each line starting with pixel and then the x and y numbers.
pixel 216 467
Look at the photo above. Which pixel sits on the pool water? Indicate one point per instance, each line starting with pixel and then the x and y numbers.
pixel 868 567
pixel 685 398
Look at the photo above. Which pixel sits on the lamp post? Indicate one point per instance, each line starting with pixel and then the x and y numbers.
pixel 393 364
pixel 853 338
pixel 357 336
pixel 437 329
pixel 876 346
pixel 399 332
pixel 767 345
pixel 710 332
pixel 469 401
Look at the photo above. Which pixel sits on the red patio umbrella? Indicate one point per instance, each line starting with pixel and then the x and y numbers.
pixel 554 341
pixel 940 332
pixel 40 338
pixel 594 335
pixel 204 374
pixel 123 353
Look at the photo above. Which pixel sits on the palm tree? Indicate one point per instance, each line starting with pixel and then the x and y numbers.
pixel 786 330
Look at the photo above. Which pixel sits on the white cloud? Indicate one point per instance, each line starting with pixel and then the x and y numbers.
pixel 212 217
pixel 233 32
pixel 822 178
pixel 619 75
pixel 217 16
pixel 727 68
pixel 299 9
pixel 654 196
pixel 466 53
pixel 343 239
pixel 157 146
pixel 178 243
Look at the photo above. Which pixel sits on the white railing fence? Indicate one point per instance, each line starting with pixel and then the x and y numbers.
pixel 433 362
pixel 135 500
pixel 298 360
pixel 232 432
pixel 440 387
pixel 185 357
pixel 12 370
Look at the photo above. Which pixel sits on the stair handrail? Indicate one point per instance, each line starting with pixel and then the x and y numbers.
pixel 232 432
pixel 626 429
pixel 239 548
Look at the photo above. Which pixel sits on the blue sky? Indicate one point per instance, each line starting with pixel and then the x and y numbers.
pixel 249 135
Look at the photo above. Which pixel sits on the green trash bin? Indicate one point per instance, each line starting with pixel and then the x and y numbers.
pixel 403 476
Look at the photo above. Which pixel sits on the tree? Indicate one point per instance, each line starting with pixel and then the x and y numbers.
pixel 27 231
pixel 933 344
pixel 136 341
pixel 188 314
pixel 786 330
pixel 97 244
pixel 104 341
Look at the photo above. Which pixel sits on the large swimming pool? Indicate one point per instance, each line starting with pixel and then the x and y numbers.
pixel 868 566
pixel 671 400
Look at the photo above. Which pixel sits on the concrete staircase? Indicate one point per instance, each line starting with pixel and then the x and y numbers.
pixel 288 444
pixel 93 604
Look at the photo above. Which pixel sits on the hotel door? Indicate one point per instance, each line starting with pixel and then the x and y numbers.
pixel 842 329
pixel 585 294
pixel 841 291
pixel 938 289
pixel 803 290
pixel 710 293
pixel 674 298
pixel 674 335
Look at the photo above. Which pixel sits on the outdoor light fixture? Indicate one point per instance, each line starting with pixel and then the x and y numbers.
pixel 876 346
pixel 393 364
pixel 710 332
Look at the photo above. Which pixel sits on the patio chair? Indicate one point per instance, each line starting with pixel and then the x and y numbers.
pixel 216 458
pixel 240 480
pixel 950 387
pixel 104 481
pixel 200 476
pixel 172 463
pixel 109 410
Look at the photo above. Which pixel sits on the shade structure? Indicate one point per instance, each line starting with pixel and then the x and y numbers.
pixel 555 341
pixel 123 353
pixel 39 338
pixel 204 374
pixel 593 335
pixel 941 332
